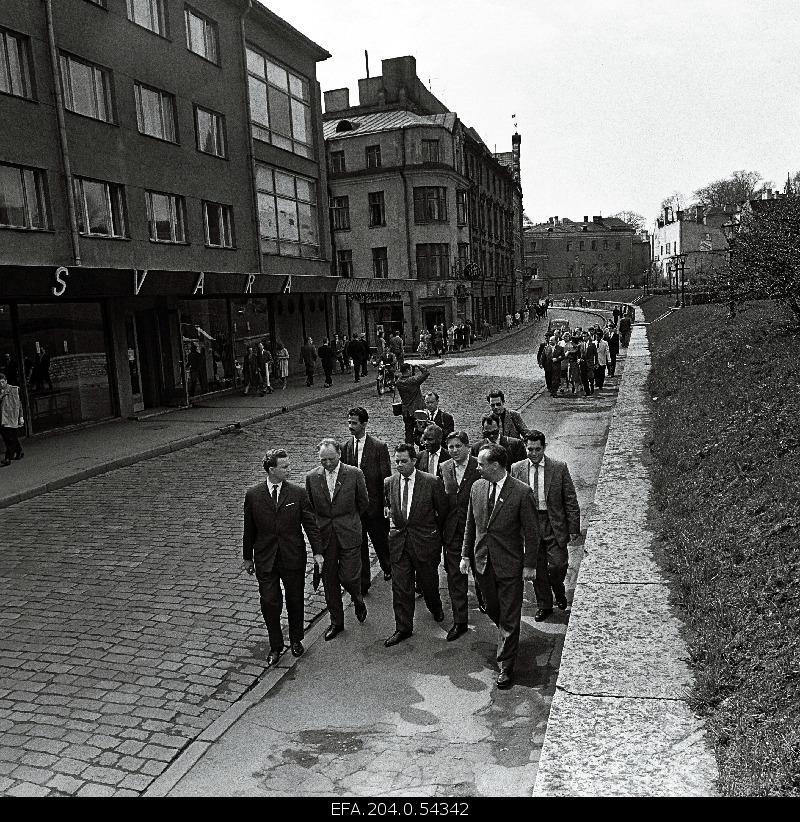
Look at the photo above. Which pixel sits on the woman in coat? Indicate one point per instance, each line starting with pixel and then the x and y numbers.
pixel 11 420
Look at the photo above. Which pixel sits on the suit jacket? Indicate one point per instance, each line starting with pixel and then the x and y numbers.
pixel 423 459
pixel 562 501
pixel 410 394
pixel 509 537
pixel 339 518
pixel 421 533
pixel 445 422
pixel 272 533
pixel 375 465
pixel 514 448
pixel 512 424
pixel 458 496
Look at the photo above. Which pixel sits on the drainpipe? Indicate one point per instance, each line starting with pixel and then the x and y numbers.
pixel 249 137
pixel 62 134
pixel 412 301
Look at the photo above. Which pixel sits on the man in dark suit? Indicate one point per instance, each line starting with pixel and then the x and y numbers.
pixel 503 536
pixel 372 456
pixel 459 474
pixel 587 362
pixel 559 520
pixel 441 418
pixel 339 497
pixel 355 351
pixel 417 507
pixel 408 387
pixel 511 422
pixel 275 515
pixel 433 454
pixel 490 425
pixel 541 360
pixel 552 356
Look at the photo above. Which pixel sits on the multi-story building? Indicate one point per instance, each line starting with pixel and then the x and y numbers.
pixel 601 253
pixel 162 193
pixel 421 212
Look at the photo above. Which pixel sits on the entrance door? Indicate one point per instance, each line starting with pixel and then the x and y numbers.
pixel 134 362
pixel 432 317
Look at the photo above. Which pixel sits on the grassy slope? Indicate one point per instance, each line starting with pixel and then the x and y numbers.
pixel 726 460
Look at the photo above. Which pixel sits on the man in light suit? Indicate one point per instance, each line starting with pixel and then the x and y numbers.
pixel 372 456
pixel 441 418
pixel 339 497
pixel 275 515
pixel 417 507
pixel 433 454
pixel 502 534
pixel 559 520
pixel 459 474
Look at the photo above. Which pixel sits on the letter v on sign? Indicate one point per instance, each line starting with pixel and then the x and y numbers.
pixel 138 281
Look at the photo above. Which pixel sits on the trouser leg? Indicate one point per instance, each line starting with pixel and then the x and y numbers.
pixel 408 422
pixel 377 527
pixel 269 589
pixel 509 596
pixel 457 584
pixel 557 558
pixel 294 582
pixel 330 582
pixel 350 570
pixel 403 592
pixel 427 573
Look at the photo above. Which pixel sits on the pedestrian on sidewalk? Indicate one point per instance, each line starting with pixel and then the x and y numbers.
pixel 502 535
pixel 416 505
pixel 613 347
pixel 587 362
pixel 559 519
pixel 252 376
pixel 11 420
pixel 625 331
pixel 308 354
pixel 338 344
pixel 541 359
pixel 327 356
pixel 364 353
pixel 339 497
pixel 282 356
pixel 276 514
pixel 354 350
pixel 396 347
pixel 603 358
pixel 263 361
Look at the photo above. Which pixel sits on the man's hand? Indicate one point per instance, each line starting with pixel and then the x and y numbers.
pixel 249 566
pixel 463 566
pixel 320 560
pixel 528 574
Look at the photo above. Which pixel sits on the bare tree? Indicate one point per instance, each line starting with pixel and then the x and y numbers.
pixel 740 186
pixel 674 202
pixel 632 218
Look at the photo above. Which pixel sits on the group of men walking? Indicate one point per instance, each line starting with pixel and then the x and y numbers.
pixel 497 507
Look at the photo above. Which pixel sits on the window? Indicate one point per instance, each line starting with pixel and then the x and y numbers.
pixel 15 65
pixel 463 259
pixel 344 262
pixel 287 213
pixel 430 205
pixel 218 219
pixel 569 246
pixel 581 246
pixel 166 217
pixel 461 207
pixel 377 208
pixel 87 88
pixel 432 260
pixel 594 245
pixel 533 246
pixel 337 162
pixel 605 244
pixel 616 245
pixel 340 213
pixel 149 14
pixel 430 151
pixel 201 35
pixel 155 113
pixel 380 263
pixel 280 105
pixel 210 130
pixel 23 198
pixel 373 154
pixel 668 247
pixel 100 208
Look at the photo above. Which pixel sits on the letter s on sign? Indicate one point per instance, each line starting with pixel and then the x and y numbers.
pixel 60 288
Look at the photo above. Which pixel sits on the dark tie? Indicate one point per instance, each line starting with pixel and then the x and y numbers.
pixel 406 480
pixel 536 484
pixel 355 462
pixel 275 495
pixel 492 488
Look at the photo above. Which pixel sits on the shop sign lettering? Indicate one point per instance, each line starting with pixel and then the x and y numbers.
pixel 200 284
pixel 248 289
pixel 60 288
pixel 138 282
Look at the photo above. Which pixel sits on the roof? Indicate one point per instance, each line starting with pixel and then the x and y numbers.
pixel 567 226
pixel 272 20
pixel 387 121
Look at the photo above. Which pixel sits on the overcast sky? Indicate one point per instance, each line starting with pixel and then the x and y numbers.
pixel 618 102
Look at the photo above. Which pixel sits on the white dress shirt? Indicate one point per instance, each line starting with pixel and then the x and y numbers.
pixel 270 487
pixel 541 502
pixel 461 469
pixel 433 461
pixel 331 477
pixel 411 481
pixel 498 489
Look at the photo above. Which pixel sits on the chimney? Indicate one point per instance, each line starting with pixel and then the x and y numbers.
pixel 680 215
pixel 337 99
pixel 597 218
pixel 585 218
pixel 666 214
pixel 555 219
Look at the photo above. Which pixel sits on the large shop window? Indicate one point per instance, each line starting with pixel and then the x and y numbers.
pixel 250 327
pixel 287 213
pixel 66 363
pixel 206 339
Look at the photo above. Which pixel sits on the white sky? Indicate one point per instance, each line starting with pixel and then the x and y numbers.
pixel 619 102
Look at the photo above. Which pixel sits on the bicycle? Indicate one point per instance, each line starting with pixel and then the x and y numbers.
pixel 384 382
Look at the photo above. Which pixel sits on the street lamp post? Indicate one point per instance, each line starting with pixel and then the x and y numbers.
pixel 729 229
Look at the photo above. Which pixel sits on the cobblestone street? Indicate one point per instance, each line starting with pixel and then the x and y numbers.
pixel 128 626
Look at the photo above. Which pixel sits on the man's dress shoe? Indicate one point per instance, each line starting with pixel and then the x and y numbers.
pixel 542 614
pixel 438 615
pixel 456 631
pixel 361 610
pixel 273 657
pixel 333 631
pixel 397 636
pixel 562 603
pixel 297 649
pixel 505 680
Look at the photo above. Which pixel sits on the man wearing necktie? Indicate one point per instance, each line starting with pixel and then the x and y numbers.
pixel 339 497
pixel 275 515
pixel 433 454
pixel 417 507
pixel 559 520
pixel 502 535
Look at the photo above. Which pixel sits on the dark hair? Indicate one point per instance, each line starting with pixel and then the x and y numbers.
pixel 533 436
pixel 359 412
pixel 497 454
pixel 272 456
pixel 406 448
pixel 434 394
pixel 405 367
pixel 434 427
pixel 461 436
pixel 496 392
pixel 490 418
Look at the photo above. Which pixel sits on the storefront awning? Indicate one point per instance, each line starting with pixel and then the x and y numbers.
pixel 369 287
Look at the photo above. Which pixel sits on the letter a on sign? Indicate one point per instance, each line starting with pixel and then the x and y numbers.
pixel 248 289
pixel 138 281
pixel 287 285
pixel 200 284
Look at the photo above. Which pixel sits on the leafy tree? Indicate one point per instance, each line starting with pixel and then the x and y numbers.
pixel 632 218
pixel 675 201
pixel 740 186
pixel 765 252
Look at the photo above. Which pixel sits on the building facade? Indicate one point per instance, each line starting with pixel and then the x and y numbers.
pixel 601 253
pixel 162 193
pixel 419 206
